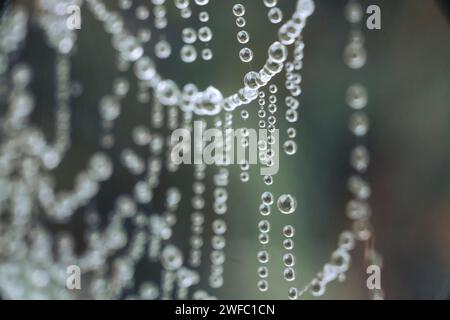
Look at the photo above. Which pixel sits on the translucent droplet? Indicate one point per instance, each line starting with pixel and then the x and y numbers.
pixel 121 87
pixel 141 136
pixel 317 288
pixel 286 204
pixel 362 229
pixel 341 259
pixel 289 260
pixel 186 13
pixel 251 79
pixel 291 133
pixel 148 291
pixel 125 4
pixel 290 147
pixel 353 12
pixel 288 231
pixel 278 52
pixel 289 274
pixel 275 15
pixel 246 54
pixel 203 16
pixel 219 226
pixel 272 108
pixel 264 209
pixel 359 124
pixel 263 272
pixel 163 49
pixel 263 256
pixel 238 10
pixel 264 226
pixel 218 242
pixel 267 198
pixel 305 8
pixel 171 258
pixel 291 115
pixel 189 35
pixel 359 187
pixel 268 180
pixel 100 167
pixel 263 238
pixel 357 210
pixel 244 176
pixel 217 257
pixel 293 293
pixel 270 3
pixel 109 108
pixel 355 56
pixel 142 12
pixel 207 54
pixel 263 285
pixel 205 34
pixel 346 240
pixel 288 244
pixel 357 96
pixel 188 53
pixel 144 68
pixel 181 4
pixel 243 37
pixel 240 22
pixel 201 2
pixel 359 158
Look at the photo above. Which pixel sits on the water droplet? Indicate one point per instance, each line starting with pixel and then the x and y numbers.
pixel 346 240
pixel 288 231
pixel 359 158
pixel 189 35
pixel 240 22
pixel 219 226
pixel 238 10
pixel 205 34
pixel 263 272
pixel 278 52
pixel 246 55
pixel 188 53
pixel 163 49
pixel 290 147
pixel 355 56
pixel 264 226
pixel 207 54
pixel 291 132
pixel 264 209
pixel 359 124
pixel 291 115
pixel 289 274
pixel 263 238
pixel 357 96
pixel 171 258
pixel 357 210
pixel 275 15
pixel 243 36
pixel 293 293
pixel 288 244
pixel 263 256
pixel 287 204
pixel 263 285
pixel 267 198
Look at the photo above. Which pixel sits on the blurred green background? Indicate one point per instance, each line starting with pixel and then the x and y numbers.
pixel 408 78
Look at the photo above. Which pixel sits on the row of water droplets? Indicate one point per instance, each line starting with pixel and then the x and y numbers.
pixel 358 208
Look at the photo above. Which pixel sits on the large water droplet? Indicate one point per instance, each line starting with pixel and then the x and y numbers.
pixel 286 204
